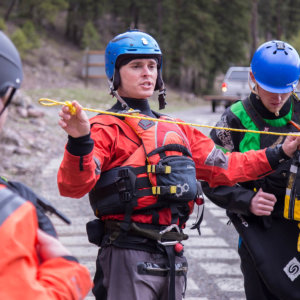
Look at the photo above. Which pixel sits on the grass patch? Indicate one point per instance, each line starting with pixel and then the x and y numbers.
pixel 99 98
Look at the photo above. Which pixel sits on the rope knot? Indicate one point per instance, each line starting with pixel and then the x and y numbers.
pixel 72 108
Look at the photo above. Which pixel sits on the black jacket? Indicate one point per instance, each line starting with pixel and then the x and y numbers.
pixel 237 199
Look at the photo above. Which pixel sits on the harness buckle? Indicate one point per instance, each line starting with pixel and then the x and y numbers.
pixel 168 229
pixel 125 197
pixel 121 185
pixel 123 173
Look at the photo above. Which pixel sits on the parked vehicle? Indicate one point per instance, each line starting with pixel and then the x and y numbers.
pixel 234 87
pixel 235 82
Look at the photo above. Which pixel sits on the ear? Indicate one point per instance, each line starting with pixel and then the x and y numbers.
pixel 252 77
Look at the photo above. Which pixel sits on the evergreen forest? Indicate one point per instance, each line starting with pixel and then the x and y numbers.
pixel 199 38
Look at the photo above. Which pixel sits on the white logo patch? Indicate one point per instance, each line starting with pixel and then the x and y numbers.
pixel 182 189
pixel 144 41
pixel 292 269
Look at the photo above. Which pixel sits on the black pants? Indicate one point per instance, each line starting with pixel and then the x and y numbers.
pixel 255 288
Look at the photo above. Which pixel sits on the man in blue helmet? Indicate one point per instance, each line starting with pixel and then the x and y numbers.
pixel 270 257
pixel 141 176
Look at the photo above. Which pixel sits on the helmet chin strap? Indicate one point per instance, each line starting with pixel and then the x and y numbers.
pixel 8 101
pixel 161 97
pixel 114 93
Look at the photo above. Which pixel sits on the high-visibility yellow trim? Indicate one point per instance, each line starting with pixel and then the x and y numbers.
pixel 173 189
pixel 150 168
pixel 168 169
pixel 50 102
pixel 297 209
pixel 156 190
pixel 286 206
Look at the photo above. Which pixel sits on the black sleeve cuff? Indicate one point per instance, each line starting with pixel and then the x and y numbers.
pixel 276 156
pixel 71 258
pixel 80 146
pixel 234 198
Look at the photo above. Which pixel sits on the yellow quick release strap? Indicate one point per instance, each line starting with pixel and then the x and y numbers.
pixel 133 114
pixel 153 169
pixel 156 190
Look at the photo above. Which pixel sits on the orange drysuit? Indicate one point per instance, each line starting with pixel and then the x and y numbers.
pixel 22 276
pixel 114 142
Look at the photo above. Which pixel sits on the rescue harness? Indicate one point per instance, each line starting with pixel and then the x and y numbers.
pixel 159 176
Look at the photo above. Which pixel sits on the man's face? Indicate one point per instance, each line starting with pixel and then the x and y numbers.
pixel 138 78
pixel 272 101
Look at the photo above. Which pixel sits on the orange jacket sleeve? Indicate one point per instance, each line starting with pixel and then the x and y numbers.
pixel 21 274
pixel 78 174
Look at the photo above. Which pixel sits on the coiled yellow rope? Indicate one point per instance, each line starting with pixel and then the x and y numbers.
pixel 134 114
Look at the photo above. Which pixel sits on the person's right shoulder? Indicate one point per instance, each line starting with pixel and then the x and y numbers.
pixel 106 120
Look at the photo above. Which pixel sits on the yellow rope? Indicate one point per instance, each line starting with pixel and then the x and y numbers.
pixel 133 114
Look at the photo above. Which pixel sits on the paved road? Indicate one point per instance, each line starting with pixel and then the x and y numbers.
pixel 214 272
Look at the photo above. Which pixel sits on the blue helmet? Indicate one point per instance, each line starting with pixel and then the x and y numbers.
pixel 276 67
pixel 129 45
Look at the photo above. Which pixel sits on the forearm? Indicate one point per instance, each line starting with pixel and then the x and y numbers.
pixel 236 199
pixel 79 170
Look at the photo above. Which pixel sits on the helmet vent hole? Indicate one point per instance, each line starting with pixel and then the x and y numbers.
pixel 285 53
pixel 268 47
pixel 275 52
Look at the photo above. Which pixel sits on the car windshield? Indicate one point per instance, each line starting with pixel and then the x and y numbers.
pixel 239 75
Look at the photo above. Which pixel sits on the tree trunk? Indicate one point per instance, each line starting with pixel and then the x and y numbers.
pixel 159 18
pixel 253 28
pixel 278 19
pixel 9 10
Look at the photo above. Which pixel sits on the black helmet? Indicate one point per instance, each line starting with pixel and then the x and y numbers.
pixel 11 74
